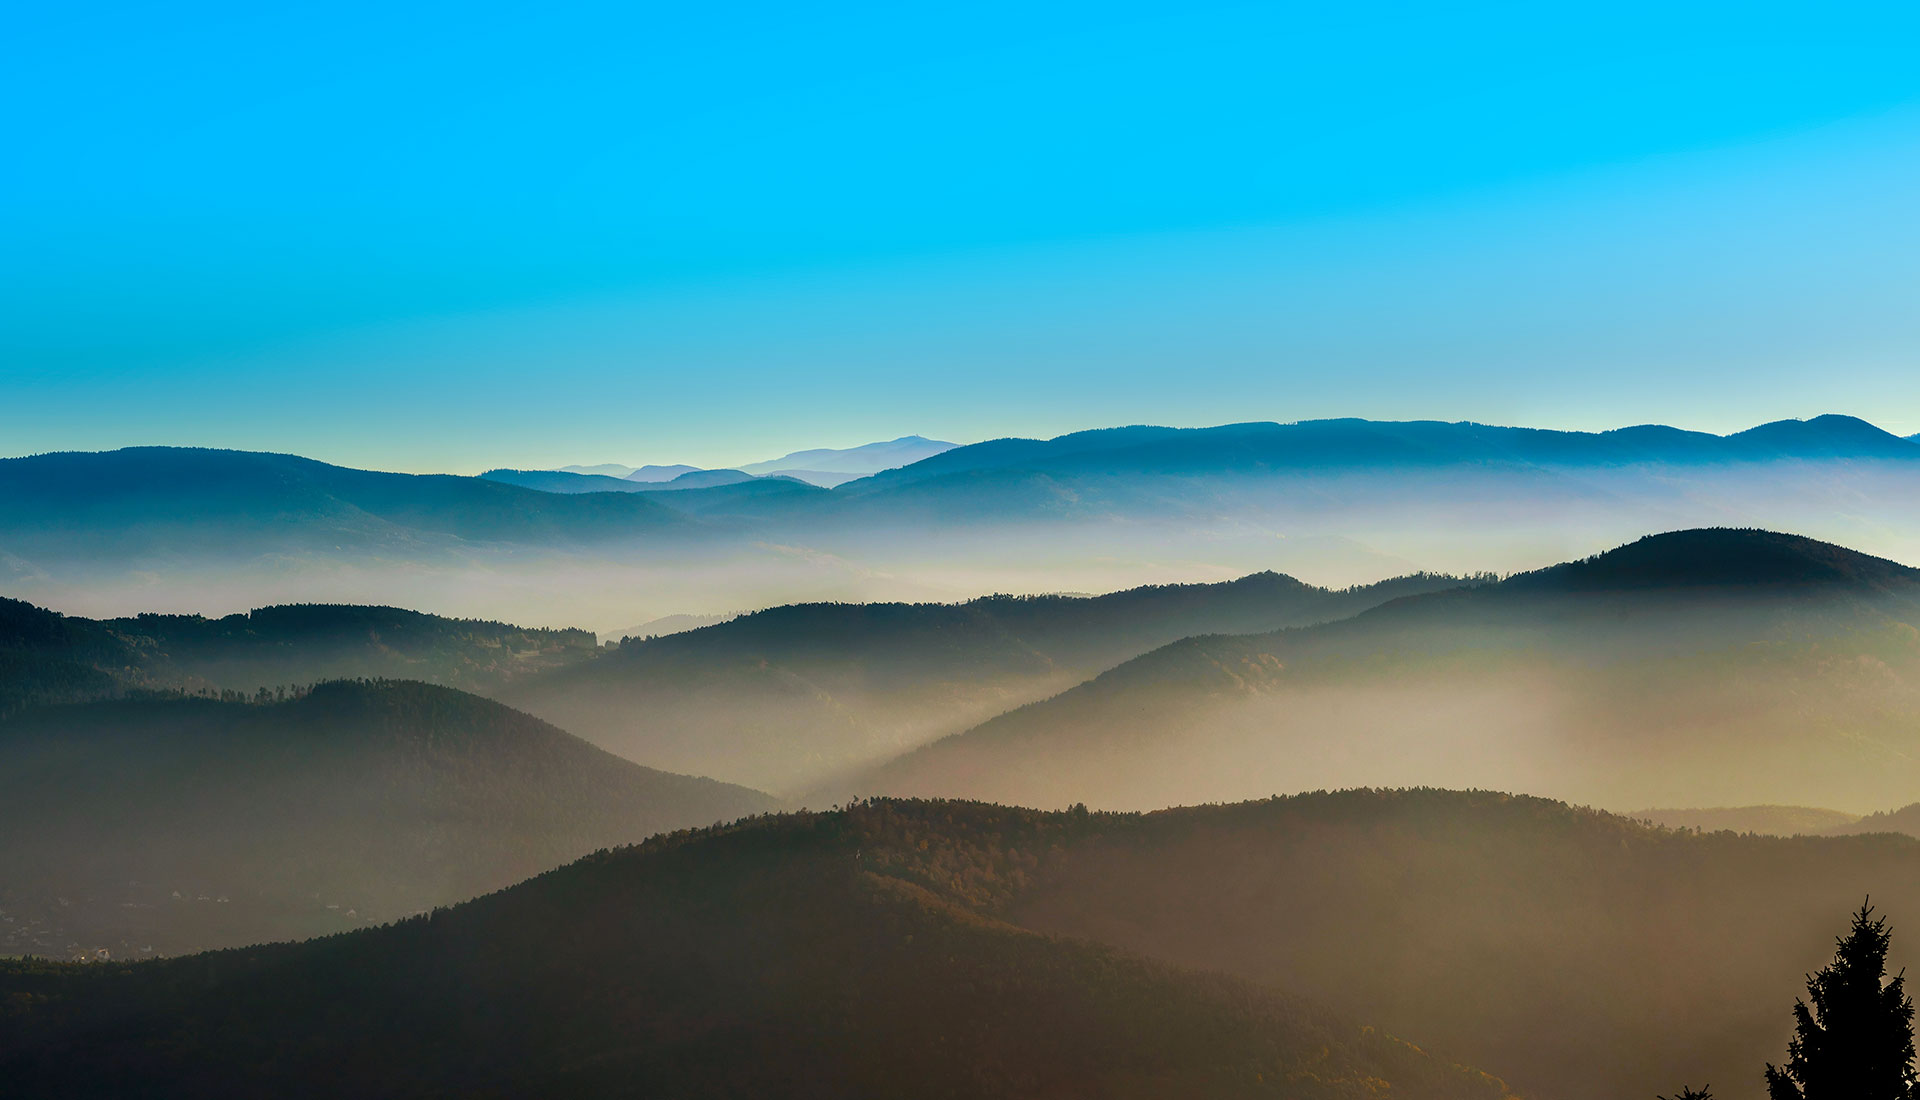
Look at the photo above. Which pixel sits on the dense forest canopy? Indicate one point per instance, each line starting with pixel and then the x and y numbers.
pixel 1507 932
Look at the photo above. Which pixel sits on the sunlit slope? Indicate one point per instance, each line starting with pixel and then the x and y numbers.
pixel 1710 667
pixel 791 957
pixel 379 798
pixel 795 696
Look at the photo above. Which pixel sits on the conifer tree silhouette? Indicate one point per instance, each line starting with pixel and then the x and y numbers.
pixel 1854 1041
pixel 1686 1093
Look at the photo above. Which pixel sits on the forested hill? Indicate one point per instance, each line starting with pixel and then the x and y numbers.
pixel 794 695
pixel 1371 444
pixel 1715 667
pixel 1905 820
pixel 888 949
pixel 47 657
pixel 162 501
pixel 787 957
pixel 1788 820
pixel 274 820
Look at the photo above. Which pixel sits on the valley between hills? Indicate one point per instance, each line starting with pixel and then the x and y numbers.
pixel 176 784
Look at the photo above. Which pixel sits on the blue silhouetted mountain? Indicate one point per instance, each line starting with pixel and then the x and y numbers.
pixel 46 657
pixel 160 499
pixel 562 481
pixel 603 469
pixel 839 464
pixel 1318 445
pixel 1718 667
pixel 692 493
pixel 660 473
pixel 789 697
pixel 284 813
pixel 706 479
pixel 1341 500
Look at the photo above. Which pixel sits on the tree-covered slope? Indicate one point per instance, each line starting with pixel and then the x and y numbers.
pixel 794 696
pixel 1766 820
pixel 47 657
pixel 274 820
pixel 939 948
pixel 1905 820
pixel 1701 667
pixel 1577 954
pixel 781 958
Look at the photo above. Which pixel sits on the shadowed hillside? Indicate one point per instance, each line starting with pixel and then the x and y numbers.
pixel 764 960
pixel 888 950
pixel 1724 667
pixel 276 820
pixel 47 657
pixel 793 696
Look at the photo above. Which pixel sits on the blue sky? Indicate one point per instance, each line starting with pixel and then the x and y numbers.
pixel 446 237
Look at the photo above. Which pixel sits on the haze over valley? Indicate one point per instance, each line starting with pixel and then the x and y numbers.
pixel 1005 552
pixel 1335 503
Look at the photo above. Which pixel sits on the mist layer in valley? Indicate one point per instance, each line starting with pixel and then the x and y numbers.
pixel 1332 502
pixel 1701 668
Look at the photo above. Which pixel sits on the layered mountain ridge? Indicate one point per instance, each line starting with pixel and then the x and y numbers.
pixel 941 948
pixel 178 823
pixel 1737 666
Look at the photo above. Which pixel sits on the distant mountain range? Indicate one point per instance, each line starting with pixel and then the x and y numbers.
pixel 145 499
pixel 1723 665
pixel 629 473
pixel 1764 820
pixel 795 696
pixel 822 466
pixel 295 816
pixel 1342 501
pixel 674 624
pixel 1789 820
pixel 558 481
pixel 827 467
pixel 1274 948
pixel 1365 444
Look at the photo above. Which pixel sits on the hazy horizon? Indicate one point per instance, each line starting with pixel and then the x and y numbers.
pixel 697 238
pixel 737 462
pixel 993 551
